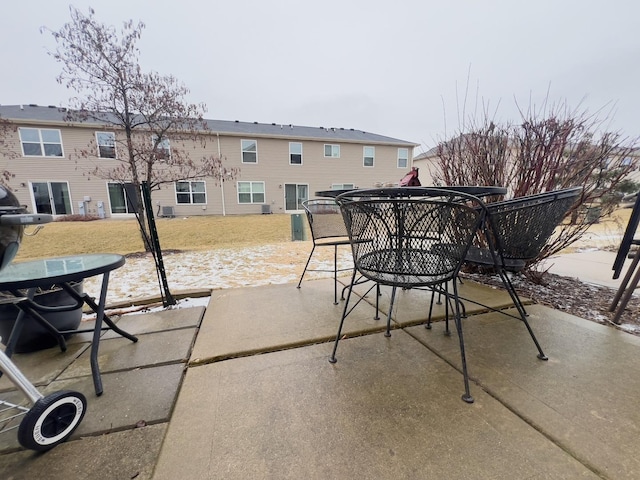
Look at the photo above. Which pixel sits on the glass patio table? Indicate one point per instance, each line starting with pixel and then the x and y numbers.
pixel 62 272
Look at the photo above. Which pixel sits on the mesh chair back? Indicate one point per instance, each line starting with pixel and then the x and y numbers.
pixel 325 219
pixel 409 242
pixel 522 226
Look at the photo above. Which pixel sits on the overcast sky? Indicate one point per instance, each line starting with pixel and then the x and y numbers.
pixel 398 68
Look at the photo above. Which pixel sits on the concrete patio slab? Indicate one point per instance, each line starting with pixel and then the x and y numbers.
pixel 287 317
pixel 175 318
pixel 116 354
pixel 44 366
pixel 130 454
pixel 583 398
pixel 141 380
pixel 245 321
pixel 388 409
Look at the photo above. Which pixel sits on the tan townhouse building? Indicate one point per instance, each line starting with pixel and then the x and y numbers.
pixel 53 163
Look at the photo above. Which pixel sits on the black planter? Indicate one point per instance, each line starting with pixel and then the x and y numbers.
pixel 34 336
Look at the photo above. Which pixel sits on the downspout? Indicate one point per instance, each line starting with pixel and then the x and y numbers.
pixel 224 213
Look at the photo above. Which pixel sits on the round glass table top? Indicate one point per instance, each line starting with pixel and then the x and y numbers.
pixel 49 271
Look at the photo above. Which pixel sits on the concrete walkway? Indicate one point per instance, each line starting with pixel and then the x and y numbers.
pixel 260 400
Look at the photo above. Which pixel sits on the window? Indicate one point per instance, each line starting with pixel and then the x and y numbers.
pixel 249 151
pixel 51 197
pixel 369 156
pixel 106 144
pixel 295 153
pixel 191 192
pixel 40 142
pixel 403 157
pixel 332 151
pixel 162 147
pixel 343 186
pixel 250 192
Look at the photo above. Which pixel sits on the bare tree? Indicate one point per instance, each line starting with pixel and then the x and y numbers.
pixel 151 120
pixel 7 150
pixel 559 149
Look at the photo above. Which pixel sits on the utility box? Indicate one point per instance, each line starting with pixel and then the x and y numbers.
pixel 297 227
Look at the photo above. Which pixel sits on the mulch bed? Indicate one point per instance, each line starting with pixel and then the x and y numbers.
pixel 572 296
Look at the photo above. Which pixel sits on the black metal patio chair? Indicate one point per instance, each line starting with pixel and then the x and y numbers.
pixel 327 230
pixel 415 239
pixel 514 232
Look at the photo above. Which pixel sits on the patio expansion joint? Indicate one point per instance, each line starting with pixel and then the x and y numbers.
pixel 197 362
pixel 487 389
pixel 553 439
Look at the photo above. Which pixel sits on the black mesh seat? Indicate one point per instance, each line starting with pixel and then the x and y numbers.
pixel 417 240
pixel 515 232
pixel 327 230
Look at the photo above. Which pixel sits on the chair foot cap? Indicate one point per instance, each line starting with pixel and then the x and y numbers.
pixel 333 360
pixel 542 356
pixel 387 334
pixel 428 326
pixel 467 398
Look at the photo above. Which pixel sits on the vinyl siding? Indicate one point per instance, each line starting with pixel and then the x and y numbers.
pixel 272 168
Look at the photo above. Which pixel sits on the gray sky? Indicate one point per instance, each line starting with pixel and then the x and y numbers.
pixel 398 68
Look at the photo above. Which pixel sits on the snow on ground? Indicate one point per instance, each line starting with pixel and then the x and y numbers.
pixel 217 269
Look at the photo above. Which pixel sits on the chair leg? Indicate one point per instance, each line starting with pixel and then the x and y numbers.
pixel 335 274
pixel 433 296
pixel 523 314
pixel 447 303
pixel 333 358
pixel 458 321
pixel 306 265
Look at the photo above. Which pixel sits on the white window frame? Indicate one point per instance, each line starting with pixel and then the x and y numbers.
pixel 41 142
pixel 244 149
pixel 191 192
pixel 293 153
pixel 105 145
pixel 49 195
pixel 368 155
pixel 251 192
pixel 403 157
pixel 302 194
pixel 127 203
pixel 343 186
pixel 163 146
pixel 334 150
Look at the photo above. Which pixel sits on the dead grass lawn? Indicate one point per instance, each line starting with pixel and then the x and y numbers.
pixel 122 236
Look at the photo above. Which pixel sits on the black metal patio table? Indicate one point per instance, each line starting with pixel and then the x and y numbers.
pixel 475 190
pixel 62 271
